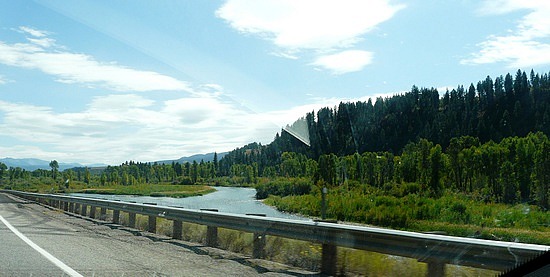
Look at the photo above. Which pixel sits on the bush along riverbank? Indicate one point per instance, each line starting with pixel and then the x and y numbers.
pixel 408 207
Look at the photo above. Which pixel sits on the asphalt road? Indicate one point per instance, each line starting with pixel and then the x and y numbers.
pixel 38 241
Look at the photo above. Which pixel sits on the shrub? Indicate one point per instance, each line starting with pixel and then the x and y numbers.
pixel 283 187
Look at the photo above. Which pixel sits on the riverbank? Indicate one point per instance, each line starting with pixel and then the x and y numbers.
pixel 451 214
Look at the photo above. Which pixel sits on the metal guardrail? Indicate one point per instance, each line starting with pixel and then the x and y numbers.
pixel 435 250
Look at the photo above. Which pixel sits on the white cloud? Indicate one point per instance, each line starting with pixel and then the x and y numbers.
pixel 345 61
pixel 43 54
pixel 300 26
pixel 114 128
pixel 4 80
pixel 32 31
pixel 307 24
pixel 523 47
pixel 286 55
pixel 42 42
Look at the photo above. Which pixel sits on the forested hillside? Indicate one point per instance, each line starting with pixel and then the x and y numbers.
pixel 488 110
pixel 469 162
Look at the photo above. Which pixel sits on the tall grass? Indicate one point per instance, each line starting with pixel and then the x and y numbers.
pixel 452 213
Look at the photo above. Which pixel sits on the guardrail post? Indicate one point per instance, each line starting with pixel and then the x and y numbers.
pixel 258 242
pixel 132 220
pixel 102 213
pixel 83 210
pixel 435 268
pixel 116 216
pixel 152 226
pixel 211 232
pixel 177 229
pixel 76 208
pixel 71 207
pixel 328 259
pixel 328 255
pixel 92 211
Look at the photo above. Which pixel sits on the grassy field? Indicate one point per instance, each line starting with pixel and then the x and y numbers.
pixel 45 185
pixel 161 190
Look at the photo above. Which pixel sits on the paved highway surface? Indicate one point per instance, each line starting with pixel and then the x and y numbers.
pixel 38 241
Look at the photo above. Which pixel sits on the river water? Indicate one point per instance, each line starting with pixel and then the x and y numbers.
pixel 225 199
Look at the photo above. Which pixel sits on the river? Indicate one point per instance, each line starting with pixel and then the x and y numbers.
pixel 225 199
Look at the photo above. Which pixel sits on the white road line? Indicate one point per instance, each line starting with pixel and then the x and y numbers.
pixel 50 257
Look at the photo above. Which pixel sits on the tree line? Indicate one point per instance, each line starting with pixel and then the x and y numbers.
pixel 489 110
pixel 128 173
pixel 512 171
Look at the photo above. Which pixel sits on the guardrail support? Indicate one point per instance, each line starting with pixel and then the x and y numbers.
pixel 328 254
pixel 132 220
pixel 65 206
pixel 211 236
pixel 76 208
pixel 258 242
pixel 83 210
pixel 211 232
pixel 435 268
pixel 328 259
pixel 102 213
pixel 152 226
pixel 71 207
pixel 92 211
pixel 116 216
pixel 177 229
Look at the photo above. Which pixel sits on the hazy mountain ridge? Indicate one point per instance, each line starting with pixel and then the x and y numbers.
pixel 197 157
pixel 32 164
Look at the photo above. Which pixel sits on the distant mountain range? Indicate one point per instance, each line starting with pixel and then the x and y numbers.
pixel 198 157
pixel 34 164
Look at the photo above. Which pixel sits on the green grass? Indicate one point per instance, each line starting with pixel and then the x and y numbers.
pixel 46 185
pixel 160 190
pixel 453 213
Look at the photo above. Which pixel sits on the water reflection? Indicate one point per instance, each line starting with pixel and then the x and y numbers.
pixel 225 199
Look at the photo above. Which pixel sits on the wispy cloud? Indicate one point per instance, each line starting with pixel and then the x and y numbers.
pixel 4 80
pixel 286 55
pixel 42 53
pixel 133 126
pixel 298 26
pixel 345 61
pixel 524 46
pixel 32 31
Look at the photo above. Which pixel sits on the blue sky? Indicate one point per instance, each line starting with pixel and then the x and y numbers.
pixel 110 81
